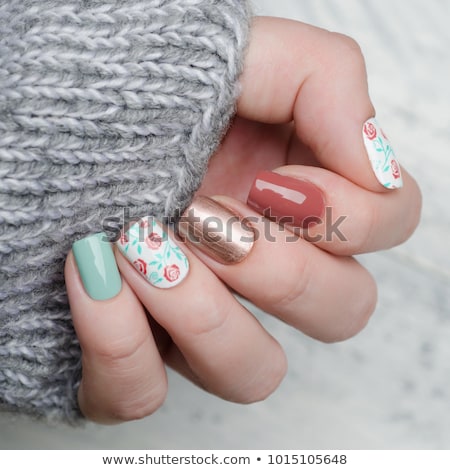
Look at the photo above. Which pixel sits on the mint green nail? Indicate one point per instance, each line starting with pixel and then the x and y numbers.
pixel 97 267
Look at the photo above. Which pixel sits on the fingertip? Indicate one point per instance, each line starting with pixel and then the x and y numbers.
pixel 319 82
pixel 360 311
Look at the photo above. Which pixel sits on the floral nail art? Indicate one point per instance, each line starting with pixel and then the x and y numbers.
pixel 154 254
pixel 381 155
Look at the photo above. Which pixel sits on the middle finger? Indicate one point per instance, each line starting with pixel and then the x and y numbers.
pixel 225 348
pixel 327 297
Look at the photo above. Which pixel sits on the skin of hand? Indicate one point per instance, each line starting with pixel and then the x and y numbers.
pixel 301 111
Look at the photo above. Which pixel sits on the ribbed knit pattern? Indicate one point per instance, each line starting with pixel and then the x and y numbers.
pixel 104 106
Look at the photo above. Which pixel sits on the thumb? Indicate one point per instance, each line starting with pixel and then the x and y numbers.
pixel 318 79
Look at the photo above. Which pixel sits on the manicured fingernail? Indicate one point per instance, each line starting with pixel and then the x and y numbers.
pixel 286 200
pixel 154 254
pixel 97 267
pixel 381 155
pixel 216 231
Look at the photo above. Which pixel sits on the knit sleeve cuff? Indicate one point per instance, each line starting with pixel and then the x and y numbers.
pixel 108 109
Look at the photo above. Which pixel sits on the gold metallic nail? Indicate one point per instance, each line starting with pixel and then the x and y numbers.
pixel 216 231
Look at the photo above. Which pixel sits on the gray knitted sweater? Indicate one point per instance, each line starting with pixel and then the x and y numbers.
pixel 105 106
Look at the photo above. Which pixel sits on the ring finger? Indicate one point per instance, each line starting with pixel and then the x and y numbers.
pixel 334 213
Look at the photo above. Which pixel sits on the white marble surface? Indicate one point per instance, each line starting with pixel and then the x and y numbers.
pixel 390 386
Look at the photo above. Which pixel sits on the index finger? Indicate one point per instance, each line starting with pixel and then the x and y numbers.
pixel 294 71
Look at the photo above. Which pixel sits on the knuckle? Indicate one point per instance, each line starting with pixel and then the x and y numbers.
pixel 118 409
pixel 371 236
pixel 365 238
pixel 294 285
pixel 117 354
pixel 358 319
pixel 347 47
pixel 133 397
pixel 208 316
pixel 414 213
pixel 345 54
pixel 264 383
pixel 132 410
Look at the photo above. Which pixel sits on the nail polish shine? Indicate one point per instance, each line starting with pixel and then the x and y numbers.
pixel 286 200
pixel 97 267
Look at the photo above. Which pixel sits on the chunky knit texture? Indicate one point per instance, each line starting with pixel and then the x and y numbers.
pixel 105 105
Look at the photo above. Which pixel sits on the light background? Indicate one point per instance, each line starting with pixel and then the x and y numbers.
pixel 390 386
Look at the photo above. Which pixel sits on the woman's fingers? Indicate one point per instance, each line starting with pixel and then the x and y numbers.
pixel 123 374
pixel 332 212
pixel 228 352
pixel 294 73
pixel 318 79
pixel 327 297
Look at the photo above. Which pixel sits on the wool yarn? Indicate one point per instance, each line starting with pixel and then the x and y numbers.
pixel 106 106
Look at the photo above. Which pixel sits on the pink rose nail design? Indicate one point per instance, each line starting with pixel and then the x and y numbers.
pixel 172 273
pixel 141 266
pixel 154 254
pixel 153 241
pixel 381 155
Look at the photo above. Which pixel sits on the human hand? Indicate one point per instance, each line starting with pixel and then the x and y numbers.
pixel 302 111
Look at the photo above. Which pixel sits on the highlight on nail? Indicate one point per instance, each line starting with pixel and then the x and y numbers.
pixel 281 198
pixel 381 155
pixel 97 267
pixel 154 253
pixel 216 231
